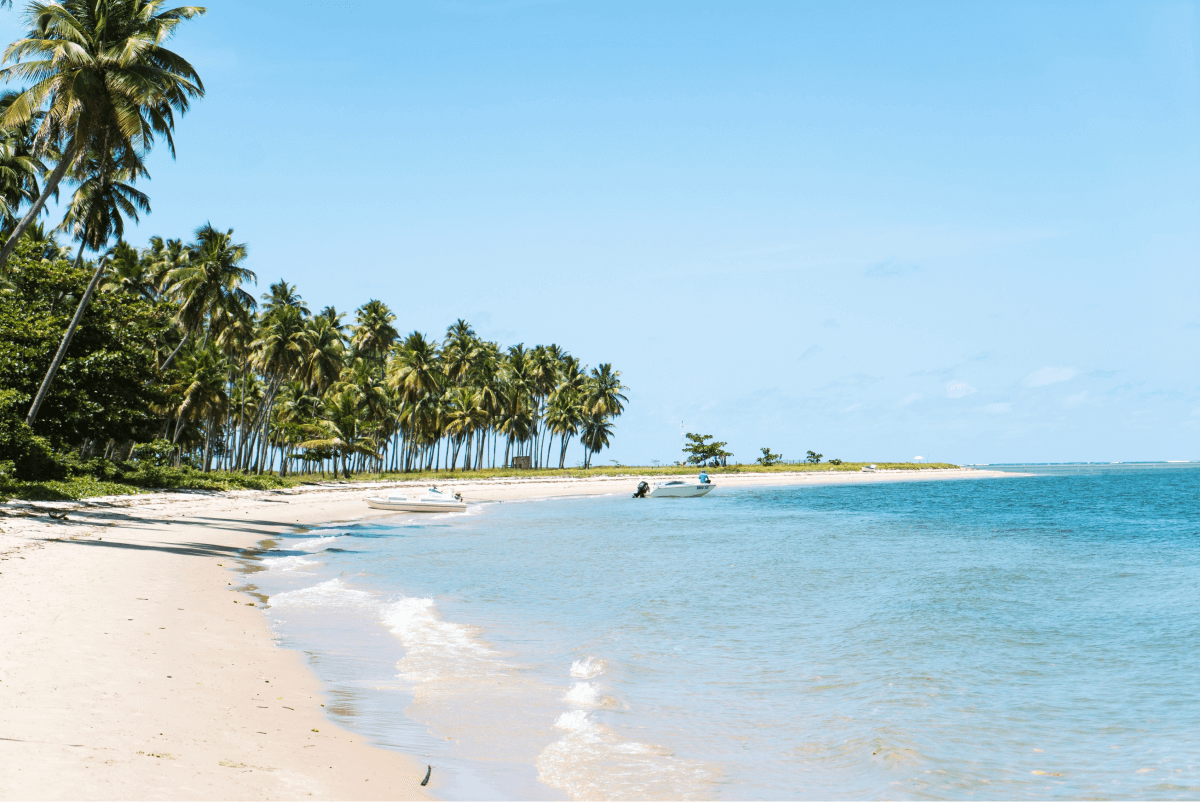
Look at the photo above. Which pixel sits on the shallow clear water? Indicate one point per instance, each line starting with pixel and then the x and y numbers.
pixel 1029 637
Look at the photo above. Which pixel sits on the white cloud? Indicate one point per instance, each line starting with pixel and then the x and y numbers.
pixel 959 389
pixel 1040 378
pixel 1075 399
pixel 998 409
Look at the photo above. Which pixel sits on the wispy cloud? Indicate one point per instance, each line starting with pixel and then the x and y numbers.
pixel 998 409
pixel 811 351
pixel 934 372
pixel 829 323
pixel 959 389
pixel 1075 399
pixel 892 268
pixel 910 398
pixel 1040 378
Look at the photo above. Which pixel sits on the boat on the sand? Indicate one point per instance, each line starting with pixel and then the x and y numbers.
pixel 432 500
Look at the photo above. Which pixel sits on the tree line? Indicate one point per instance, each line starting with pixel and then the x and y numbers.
pixel 226 382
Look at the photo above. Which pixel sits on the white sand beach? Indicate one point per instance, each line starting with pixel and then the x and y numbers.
pixel 132 665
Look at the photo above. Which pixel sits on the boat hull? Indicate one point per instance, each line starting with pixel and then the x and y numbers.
pixel 416 506
pixel 680 491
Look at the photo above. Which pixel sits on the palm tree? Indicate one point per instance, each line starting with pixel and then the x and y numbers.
pixel 94 216
pixel 19 167
pixel 235 340
pixel 374 333
pixel 101 80
pixel 209 280
pixel 162 257
pixel 283 294
pixel 334 317
pixel 44 244
pixel 129 272
pixel 338 429
pixel 415 371
pixel 514 419
pixel 563 416
pixel 280 349
pixel 372 393
pixel 324 359
pixel 203 395
pixel 464 417
pixel 459 351
pixel 597 433
pixel 603 395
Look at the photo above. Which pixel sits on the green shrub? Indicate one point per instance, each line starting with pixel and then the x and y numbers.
pixel 160 452
pixel 31 456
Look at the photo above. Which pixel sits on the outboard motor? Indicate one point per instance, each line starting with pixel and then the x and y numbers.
pixel 642 489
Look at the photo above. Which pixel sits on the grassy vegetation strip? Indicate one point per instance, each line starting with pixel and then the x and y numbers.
pixel 143 481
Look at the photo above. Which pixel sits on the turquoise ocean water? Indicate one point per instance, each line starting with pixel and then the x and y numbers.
pixel 1034 637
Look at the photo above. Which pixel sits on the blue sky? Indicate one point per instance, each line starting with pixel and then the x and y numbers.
pixel 877 230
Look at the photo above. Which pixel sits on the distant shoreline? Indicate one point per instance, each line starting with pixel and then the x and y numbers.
pixel 187 479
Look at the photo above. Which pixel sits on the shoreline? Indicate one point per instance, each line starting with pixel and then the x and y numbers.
pixel 126 673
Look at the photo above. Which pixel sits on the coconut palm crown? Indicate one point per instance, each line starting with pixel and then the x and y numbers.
pixel 99 79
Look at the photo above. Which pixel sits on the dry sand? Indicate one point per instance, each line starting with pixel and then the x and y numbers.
pixel 133 664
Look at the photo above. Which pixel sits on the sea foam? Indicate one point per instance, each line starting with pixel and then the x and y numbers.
pixel 435 648
pixel 593 762
pixel 291 563
pixel 331 593
pixel 588 668
pixel 313 544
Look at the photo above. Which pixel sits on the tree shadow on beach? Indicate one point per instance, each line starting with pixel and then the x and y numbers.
pixel 185 549
pixel 244 525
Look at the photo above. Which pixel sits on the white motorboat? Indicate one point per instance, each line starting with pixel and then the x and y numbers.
pixel 432 500
pixel 676 488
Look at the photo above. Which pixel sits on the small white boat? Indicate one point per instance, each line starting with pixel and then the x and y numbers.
pixel 432 500
pixel 675 488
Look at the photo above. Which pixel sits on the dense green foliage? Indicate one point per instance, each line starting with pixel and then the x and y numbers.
pixel 175 365
pixel 108 385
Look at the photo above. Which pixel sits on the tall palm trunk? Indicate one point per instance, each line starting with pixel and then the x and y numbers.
pixel 56 176
pixel 66 340
pixel 212 416
pixel 562 454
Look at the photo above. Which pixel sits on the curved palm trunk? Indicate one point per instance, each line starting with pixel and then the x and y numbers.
pixel 56 176
pixel 163 366
pixel 66 340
